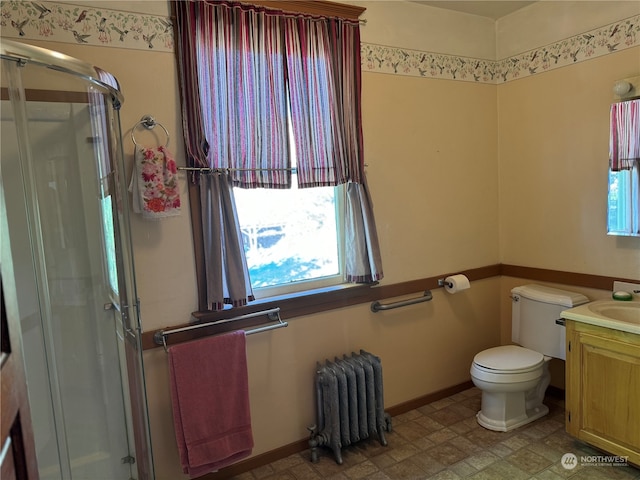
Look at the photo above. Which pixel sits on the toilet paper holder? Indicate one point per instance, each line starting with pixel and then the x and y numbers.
pixel 454 283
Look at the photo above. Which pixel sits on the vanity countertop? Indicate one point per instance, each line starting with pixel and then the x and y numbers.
pixel 614 314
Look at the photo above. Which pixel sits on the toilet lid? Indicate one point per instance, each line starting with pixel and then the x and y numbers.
pixel 510 358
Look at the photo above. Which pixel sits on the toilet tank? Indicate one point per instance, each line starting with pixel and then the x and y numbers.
pixel 534 311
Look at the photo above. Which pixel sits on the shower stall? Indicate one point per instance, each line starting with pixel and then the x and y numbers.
pixel 63 193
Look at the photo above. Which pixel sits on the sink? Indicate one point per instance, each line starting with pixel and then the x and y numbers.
pixel 619 315
pixel 616 310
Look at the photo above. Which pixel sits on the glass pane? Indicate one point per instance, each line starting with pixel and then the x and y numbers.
pixel 623 212
pixel 32 335
pixel 109 239
pixel 289 235
pixel 71 347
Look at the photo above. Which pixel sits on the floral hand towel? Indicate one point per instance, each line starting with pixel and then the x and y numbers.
pixel 155 183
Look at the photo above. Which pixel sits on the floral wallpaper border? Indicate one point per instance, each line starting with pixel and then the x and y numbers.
pixel 58 22
pixel 41 20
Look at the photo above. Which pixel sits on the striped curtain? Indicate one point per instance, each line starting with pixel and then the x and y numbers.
pixel 197 31
pixel 241 75
pixel 624 137
pixel 363 261
pixel 323 65
pixel 228 279
pixel 187 26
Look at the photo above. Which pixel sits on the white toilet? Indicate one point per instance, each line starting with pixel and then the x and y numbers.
pixel 513 378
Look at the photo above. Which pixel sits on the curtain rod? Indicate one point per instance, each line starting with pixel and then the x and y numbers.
pixel 214 170
pixel 361 21
pixel 222 170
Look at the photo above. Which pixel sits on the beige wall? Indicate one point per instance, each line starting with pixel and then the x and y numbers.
pixel 462 175
pixel 553 169
pixel 431 149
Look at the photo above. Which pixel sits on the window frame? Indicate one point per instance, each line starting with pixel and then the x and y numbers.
pixel 313 7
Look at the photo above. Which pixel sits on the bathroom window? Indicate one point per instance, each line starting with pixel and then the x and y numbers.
pixel 623 213
pixel 273 117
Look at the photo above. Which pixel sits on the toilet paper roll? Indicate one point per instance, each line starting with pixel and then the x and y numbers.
pixel 456 283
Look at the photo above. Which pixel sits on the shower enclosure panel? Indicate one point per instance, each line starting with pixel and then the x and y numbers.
pixel 70 248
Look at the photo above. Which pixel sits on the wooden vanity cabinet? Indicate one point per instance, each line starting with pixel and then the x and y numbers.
pixel 603 388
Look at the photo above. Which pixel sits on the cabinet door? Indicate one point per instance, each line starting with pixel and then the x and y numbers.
pixel 17 457
pixel 603 393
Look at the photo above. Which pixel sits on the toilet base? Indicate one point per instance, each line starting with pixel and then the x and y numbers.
pixel 502 426
pixel 502 415
pixel 510 405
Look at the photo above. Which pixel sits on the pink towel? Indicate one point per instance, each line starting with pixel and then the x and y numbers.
pixel 210 397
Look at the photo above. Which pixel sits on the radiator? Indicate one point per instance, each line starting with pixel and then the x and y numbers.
pixel 350 404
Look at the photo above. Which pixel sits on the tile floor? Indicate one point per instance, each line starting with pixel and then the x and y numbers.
pixel 442 440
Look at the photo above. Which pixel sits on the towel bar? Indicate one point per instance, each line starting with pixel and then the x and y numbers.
pixel 160 337
pixel 377 306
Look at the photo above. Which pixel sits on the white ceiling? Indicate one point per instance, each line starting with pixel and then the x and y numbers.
pixel 486 8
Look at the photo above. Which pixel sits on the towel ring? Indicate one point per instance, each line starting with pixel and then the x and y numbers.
pixel 149 123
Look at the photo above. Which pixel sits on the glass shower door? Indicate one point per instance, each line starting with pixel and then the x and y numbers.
pixel 74 276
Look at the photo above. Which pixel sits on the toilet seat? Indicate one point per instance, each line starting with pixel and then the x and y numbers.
pixel 509 364
pixel 508 359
